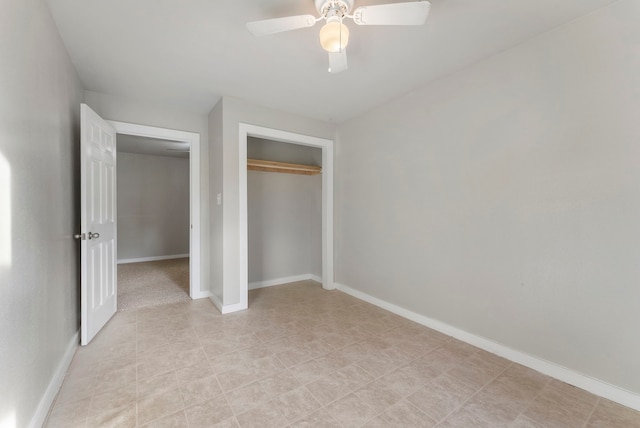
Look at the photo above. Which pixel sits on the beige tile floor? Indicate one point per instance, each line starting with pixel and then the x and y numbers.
pixel 305 357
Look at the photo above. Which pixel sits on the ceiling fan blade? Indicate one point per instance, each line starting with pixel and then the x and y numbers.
pixel 410 13
pixel 337 61
pixel 278 25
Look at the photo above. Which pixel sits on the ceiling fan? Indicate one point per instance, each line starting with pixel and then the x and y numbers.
pixel 334 35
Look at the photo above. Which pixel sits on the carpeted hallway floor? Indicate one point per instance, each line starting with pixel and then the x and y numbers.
pixel 152 283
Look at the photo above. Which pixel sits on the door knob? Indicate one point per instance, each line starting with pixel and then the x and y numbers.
pixel 94 235
pixel 79 236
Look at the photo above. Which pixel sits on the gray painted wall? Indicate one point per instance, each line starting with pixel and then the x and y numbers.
pixel 504 199
pixel 39 166
pixel 215 186
pixel 315 226
pixel 153 206
pixel 259 148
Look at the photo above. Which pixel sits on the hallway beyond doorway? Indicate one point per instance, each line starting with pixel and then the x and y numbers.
pixel 152 283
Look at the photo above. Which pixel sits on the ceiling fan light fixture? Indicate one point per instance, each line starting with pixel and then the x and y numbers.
pixel 334 36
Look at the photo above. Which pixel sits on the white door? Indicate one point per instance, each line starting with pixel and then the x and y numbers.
pixel 98 223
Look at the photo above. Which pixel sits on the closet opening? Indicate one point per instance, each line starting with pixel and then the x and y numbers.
pixel 284 212
pixel 286 209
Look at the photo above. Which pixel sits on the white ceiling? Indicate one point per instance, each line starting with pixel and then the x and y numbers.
pixel 151 146
pixel 188 53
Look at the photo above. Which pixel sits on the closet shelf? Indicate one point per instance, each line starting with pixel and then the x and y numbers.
pixel 289 168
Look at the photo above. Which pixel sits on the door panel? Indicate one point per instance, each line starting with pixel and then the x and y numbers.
pixel 98 223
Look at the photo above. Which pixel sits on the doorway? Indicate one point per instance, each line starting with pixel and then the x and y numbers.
pixel 185 147
pixel 245 132
pixel 153 221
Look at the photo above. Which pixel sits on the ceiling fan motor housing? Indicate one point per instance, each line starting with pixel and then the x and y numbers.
pixel 323 6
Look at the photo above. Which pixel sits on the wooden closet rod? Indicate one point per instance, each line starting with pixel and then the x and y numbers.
pixel 289 168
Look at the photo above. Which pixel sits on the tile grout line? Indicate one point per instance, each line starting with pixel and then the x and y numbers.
pixel 174 371
pixel 415 359
pixel 593 410
pixel 422 386
pixel 93 395
pixel 475 393
pixel 180 386
pixel 374 379
pixel 404 397
pixel 224 393
pixel 535 397
pixel 378 414
pixel 234 415
pixel 185 407
pixel 302 385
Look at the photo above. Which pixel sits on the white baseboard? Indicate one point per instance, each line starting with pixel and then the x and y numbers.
pixel 49 396
pixel 152 259
pixel 595 386
pixel 216 302
pixel 285 280
pixel 200 294
pixel 226 309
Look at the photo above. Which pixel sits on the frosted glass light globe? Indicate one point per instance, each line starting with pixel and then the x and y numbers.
pixel 334 36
